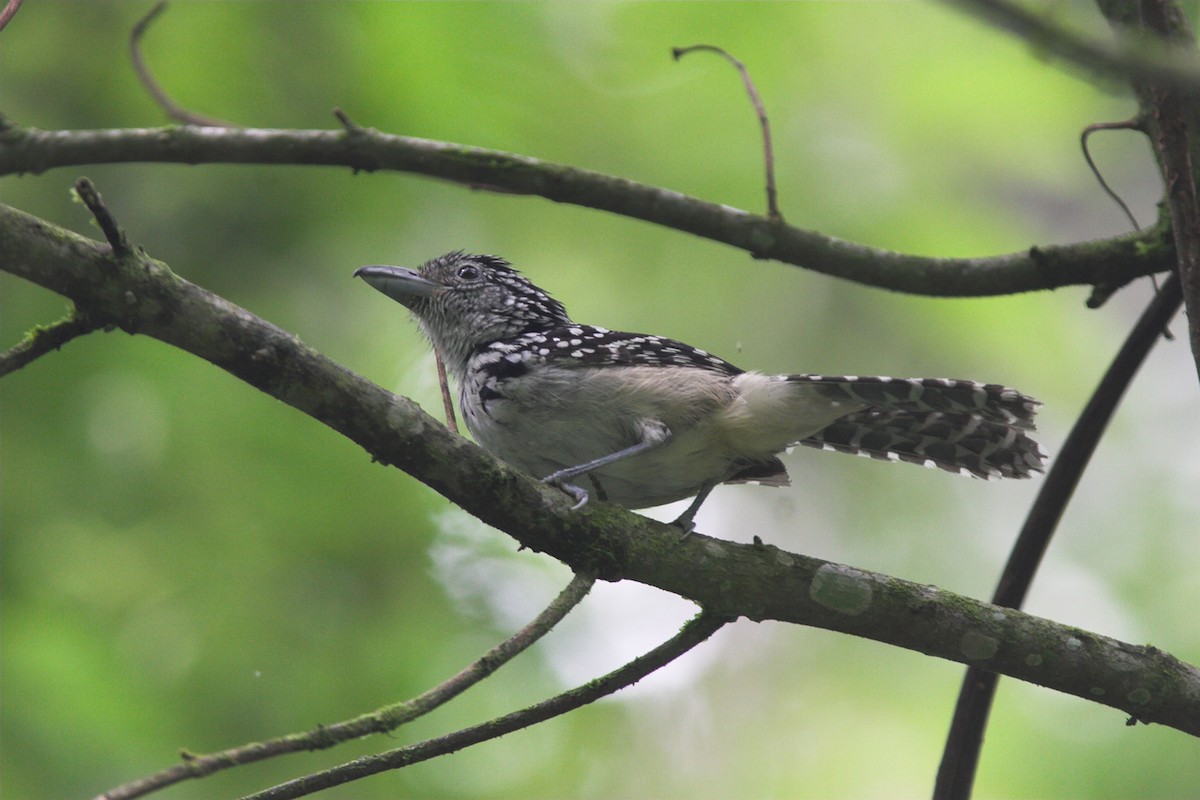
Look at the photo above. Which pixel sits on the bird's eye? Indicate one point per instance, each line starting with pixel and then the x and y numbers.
pixel 468 273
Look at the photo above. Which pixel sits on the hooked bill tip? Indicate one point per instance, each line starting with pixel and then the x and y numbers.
pixel 399 283
pixel 372 269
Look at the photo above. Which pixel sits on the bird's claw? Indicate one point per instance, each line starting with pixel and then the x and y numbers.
pixel 686 525
pixel 578 492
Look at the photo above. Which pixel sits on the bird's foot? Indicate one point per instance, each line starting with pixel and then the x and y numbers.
pixel 577 492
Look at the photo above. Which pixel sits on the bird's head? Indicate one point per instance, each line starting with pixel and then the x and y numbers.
pixel 463 302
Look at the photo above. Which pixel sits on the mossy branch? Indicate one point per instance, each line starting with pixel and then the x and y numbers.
pixel 140 295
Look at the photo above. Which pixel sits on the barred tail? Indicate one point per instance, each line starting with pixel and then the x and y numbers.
pixel 959 426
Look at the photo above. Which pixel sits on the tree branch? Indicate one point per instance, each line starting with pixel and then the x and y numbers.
pixel 1156 49
pixel 1173 116
pixel 382 721
pixel 9 11
pixel 695 632
pixel 1123 57
pixel 757 581
pixel 44 339
pixel 172 109
pixel 90 197
pixel 1109 261
pixel 964 741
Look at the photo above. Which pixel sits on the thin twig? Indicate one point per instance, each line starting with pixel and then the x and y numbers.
pixel 10 11
pixel 1125 125
pixel 172 109
pixel 965 739
pixel 86 191
pixel 447 402
pixel 759 109
pixel 1101 292
pixel 381 721
pixel 697 630
pixel 348 124
pixel 45 339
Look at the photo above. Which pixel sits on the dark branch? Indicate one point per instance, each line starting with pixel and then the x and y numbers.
pixel 382 721
pixel 696 631
pixel 1163 114
pixel 1173 119
pixel 1111 261
pixel 965 739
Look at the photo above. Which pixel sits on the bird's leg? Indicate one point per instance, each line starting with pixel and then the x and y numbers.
pixel 601 495
pixel 687 520
pixel 654 434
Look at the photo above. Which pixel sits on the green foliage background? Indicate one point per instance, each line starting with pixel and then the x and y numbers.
pixel 189 564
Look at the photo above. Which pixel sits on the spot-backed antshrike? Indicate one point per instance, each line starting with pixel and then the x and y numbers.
pixel 645 420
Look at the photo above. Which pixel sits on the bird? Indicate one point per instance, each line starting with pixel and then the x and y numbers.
pixel 643 420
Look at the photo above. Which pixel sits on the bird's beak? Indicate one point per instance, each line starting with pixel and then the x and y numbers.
pixel 399 283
